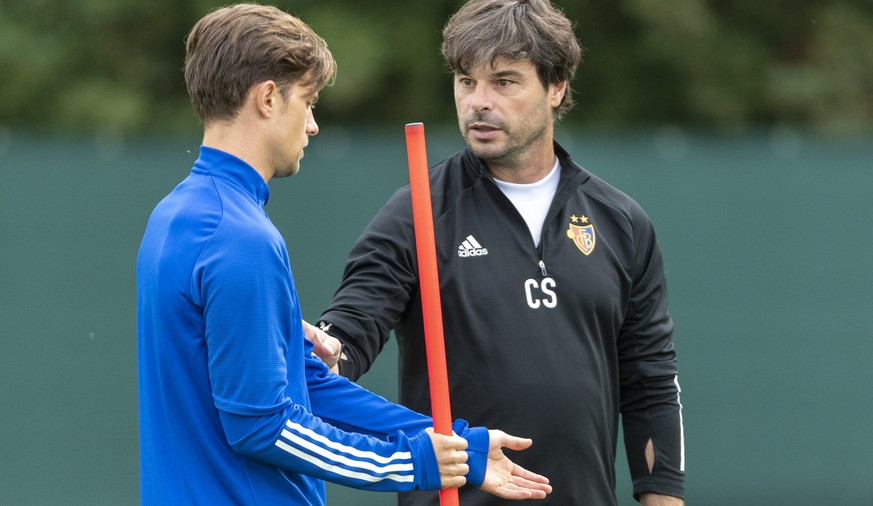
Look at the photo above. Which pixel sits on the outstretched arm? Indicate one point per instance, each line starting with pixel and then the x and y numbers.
pixel 479 460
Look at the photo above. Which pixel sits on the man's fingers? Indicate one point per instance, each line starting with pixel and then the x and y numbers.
pixel 538 485
pixel 517 443
pixel 453 475
pixel 524 484
pixel 453 482
pixel 451 458
pixel 528 477
pixel 519 488
pixel 515 494
pixel 325 346
pixel 441 441
pixel 330 344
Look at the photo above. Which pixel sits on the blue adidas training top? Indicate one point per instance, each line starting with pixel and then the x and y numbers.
pixel 234 407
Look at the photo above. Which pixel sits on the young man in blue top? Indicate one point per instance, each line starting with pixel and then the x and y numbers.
pixel 234 406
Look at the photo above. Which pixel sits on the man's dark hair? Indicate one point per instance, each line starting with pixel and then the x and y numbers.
pixel 534 30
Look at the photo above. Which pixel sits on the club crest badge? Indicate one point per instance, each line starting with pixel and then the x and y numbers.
pixel 581 232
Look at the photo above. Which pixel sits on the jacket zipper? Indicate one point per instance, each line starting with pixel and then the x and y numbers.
pixel 540 251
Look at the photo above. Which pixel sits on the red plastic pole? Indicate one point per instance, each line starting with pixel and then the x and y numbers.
pixel 432 313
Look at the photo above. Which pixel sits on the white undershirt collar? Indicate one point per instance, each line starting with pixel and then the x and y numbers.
pixel 533 200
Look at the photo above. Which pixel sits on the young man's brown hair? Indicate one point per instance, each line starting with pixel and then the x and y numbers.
pixel 233 48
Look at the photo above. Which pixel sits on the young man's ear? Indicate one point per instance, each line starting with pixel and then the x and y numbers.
pixel 266 97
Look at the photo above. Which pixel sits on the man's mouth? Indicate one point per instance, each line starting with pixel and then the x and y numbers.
pixel 484 127
pixel 483 131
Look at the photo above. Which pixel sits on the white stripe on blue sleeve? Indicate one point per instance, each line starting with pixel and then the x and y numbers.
pixel 342 459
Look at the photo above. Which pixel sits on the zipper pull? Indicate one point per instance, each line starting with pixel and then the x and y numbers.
pixel 543 268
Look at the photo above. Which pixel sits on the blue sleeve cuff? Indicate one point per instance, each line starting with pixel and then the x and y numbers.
pixel 477 450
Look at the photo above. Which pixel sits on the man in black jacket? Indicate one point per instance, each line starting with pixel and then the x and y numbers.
pixel 552 283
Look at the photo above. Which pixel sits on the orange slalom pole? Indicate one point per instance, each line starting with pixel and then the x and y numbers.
pixel 432 313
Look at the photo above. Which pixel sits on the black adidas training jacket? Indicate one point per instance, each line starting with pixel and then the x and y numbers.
pixel 547 342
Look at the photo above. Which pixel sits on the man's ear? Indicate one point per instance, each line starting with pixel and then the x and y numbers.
pixel 266 97
pixel 557 92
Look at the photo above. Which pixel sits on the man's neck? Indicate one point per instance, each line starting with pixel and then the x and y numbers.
pixel 237 140
pixel 526 168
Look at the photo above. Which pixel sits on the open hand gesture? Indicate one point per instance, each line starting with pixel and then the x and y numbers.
pixel 506 479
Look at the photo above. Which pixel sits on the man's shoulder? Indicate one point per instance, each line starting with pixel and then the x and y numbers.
pixel 590 184
pixel 596 188
pixel 187 205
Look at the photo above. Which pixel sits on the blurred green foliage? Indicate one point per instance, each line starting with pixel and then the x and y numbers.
pixel 115 65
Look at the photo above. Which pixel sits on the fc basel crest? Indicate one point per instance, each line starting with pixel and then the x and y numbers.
pixel 582 234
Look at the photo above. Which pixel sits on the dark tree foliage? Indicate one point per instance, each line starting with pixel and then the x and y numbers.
pixel 115 65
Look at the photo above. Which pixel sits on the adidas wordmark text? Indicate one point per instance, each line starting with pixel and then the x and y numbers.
pixel 471 248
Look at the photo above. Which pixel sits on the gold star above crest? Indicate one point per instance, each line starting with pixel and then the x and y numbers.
pixel 584 219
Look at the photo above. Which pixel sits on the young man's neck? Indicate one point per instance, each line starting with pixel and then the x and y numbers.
pixel 236 139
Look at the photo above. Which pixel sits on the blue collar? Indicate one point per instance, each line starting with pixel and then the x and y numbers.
pixel 223 165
